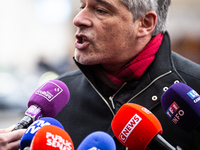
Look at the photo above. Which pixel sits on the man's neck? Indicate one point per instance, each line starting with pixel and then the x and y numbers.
pixel 137 48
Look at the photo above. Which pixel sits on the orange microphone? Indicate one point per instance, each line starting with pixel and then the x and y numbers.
pixel 52 138
pixel 135 127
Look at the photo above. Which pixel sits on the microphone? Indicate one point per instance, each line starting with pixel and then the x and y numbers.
pixel 34 127
pixel 47 101
pixel 51 137
pixel 98 140
pixel 181 103
pixel 137 128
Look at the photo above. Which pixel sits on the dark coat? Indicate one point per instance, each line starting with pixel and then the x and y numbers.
pixel 89 108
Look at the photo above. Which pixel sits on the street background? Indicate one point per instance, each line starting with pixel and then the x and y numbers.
pixel 37 44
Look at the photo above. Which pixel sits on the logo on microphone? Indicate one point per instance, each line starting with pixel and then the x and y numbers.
pixel 56 141
pixel 133 122
pixel 49 90
pixel 174 112
pixel 35 126
pixel 194 96
pixel 172 109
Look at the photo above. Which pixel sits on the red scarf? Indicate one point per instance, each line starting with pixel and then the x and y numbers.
pixel 134 69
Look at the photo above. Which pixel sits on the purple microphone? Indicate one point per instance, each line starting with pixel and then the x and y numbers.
pixel 182 105
pixel 47 101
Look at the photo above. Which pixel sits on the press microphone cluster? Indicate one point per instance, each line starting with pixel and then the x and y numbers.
pixel 40 137
pixel 47 101
pixel 181 103
pixel 45 132
pixel 137 128
pixel 34 127
pixel 133 125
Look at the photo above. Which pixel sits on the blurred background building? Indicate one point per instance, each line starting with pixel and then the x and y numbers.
pixel 37 44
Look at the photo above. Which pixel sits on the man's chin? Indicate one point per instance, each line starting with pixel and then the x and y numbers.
pixel 84 60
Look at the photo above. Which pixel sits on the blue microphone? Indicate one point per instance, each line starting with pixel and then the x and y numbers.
pixel 34 127
pixel 98 140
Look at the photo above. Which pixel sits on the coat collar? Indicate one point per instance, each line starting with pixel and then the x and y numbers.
pixel 158 77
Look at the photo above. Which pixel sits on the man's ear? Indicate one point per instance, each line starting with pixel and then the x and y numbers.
pixel 147 24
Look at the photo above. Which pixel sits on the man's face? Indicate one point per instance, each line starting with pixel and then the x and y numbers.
pixel 105 34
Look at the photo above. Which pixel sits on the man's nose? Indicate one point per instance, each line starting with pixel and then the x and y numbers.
pixel 83 19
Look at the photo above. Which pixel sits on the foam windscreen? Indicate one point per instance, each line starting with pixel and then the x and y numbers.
pixel 52 138
pixel 181 103
pixel 51 97
pixel 98 140
pixel 135 126
pixel 34 127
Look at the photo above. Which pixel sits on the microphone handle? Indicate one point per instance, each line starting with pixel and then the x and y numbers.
pixel 178 148
pixel 24 123
pixel 159 143
pixel 33 113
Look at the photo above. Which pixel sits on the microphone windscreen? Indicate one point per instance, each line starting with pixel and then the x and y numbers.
pixel 34 127
pixel 98 140
pixel 51 97
pixel 52 138
pixel 182 105
pixel 135 126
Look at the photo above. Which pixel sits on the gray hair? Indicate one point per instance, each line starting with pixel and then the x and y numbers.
pixel 140 7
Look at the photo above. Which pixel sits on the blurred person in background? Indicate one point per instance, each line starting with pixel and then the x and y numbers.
pixel 124 55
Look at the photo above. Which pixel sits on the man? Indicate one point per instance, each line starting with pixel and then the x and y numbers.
pixel 124 56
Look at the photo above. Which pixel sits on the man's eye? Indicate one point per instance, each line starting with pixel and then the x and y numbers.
pixel 100 11
pixel 82 7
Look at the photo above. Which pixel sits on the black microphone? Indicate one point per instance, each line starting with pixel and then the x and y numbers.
pixel 159 143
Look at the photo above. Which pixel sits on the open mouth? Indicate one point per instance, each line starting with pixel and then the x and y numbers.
pixel 82 42
pixel 81 39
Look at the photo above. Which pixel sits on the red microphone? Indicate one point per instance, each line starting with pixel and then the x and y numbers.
pixel 135 127
pixel 52 138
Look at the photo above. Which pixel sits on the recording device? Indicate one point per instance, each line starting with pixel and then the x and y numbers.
pixel 34 127
pixel 135 127
pixel 98 140
pixel 181 103
pixel 52 138
pixel 47 101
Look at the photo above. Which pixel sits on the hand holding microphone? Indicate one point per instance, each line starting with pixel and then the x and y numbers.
pixel 137 128
pixel 47 101
pixel 10 140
